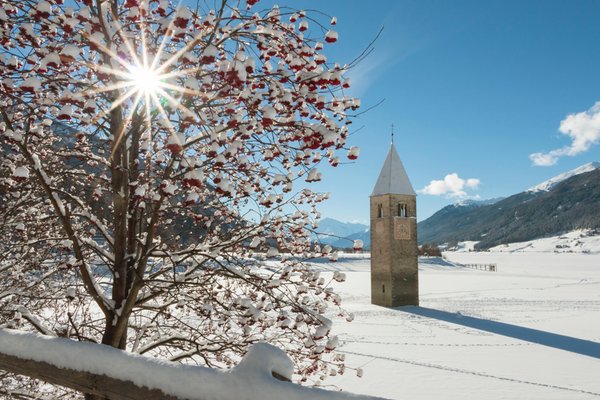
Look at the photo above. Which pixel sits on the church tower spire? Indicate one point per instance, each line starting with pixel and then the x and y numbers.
pixel 394 252
pixel 393 178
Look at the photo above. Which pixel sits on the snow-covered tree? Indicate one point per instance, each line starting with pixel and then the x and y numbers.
pixel 152 178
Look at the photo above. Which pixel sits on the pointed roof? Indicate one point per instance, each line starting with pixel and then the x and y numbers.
pixel 393 178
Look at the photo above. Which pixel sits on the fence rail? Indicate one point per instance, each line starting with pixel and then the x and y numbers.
pixel 117 375
pixel 482 267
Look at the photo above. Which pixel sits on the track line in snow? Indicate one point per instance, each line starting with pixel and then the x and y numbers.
pixel 350 341
pixel 468 372
pixel 571 282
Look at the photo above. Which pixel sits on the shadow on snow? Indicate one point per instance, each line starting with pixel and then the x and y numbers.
pixel 568 343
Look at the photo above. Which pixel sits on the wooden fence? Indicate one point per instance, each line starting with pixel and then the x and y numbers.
pixel 482 267
pixel 117 375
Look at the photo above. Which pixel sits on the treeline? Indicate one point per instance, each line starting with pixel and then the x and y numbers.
pixel 430 250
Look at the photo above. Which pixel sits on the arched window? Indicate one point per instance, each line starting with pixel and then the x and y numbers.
pixel 402 210
pixel 379 210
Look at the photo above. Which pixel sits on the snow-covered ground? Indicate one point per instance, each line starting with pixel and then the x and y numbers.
pixel 529 331
pixel 465 246
pixel 580 241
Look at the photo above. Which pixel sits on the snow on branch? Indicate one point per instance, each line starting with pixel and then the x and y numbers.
pixel 104 370
pixel 33 320
pixel 177 204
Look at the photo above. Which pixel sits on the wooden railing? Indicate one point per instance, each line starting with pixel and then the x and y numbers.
pixel 482 267
pixel 113 374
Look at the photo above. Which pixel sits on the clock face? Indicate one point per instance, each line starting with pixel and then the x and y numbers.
pixel 401 229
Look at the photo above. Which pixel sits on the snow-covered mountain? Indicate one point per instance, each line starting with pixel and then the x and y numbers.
pixel 550 183
pixel 364 235
pixel 331 230
pixel 477 203
pixel 565 203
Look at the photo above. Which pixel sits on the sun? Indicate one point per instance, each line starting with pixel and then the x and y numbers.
pixel 145 80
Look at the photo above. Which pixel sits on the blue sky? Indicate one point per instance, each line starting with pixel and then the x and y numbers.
pixel 472 88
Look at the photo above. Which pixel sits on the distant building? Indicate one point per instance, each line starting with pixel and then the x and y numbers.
pixel 394 251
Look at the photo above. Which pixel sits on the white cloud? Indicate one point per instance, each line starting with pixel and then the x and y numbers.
pixel 584 131
pixel 473 182
pixel 452 186
pixel 544 160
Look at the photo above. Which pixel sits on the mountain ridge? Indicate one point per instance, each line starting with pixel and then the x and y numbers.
pixel 330 231
pixel 550 183
pixel 564 203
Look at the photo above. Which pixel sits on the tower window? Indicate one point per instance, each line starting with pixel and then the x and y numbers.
pixel 402 210
pixel 379 210
pixel 382 288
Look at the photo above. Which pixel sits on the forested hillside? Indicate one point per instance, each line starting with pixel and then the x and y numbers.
pixel 571 204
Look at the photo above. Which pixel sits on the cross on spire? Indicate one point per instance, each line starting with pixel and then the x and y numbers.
pixel 392 133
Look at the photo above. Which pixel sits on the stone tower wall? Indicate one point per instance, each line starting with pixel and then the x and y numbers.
pixel 394 252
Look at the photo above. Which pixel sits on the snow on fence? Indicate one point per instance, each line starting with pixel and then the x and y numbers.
pixel 482 267
pixel 118 375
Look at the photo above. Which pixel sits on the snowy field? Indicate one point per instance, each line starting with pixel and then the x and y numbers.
pixel 529 331
pixel 580 241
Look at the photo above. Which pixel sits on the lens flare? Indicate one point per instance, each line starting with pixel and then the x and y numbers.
pixel 148 78
pixel 145 80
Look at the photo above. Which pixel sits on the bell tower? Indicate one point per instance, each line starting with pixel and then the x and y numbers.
pixel 394 253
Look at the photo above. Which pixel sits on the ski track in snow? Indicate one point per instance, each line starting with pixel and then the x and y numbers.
pixel 437 344
pixel 476 373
